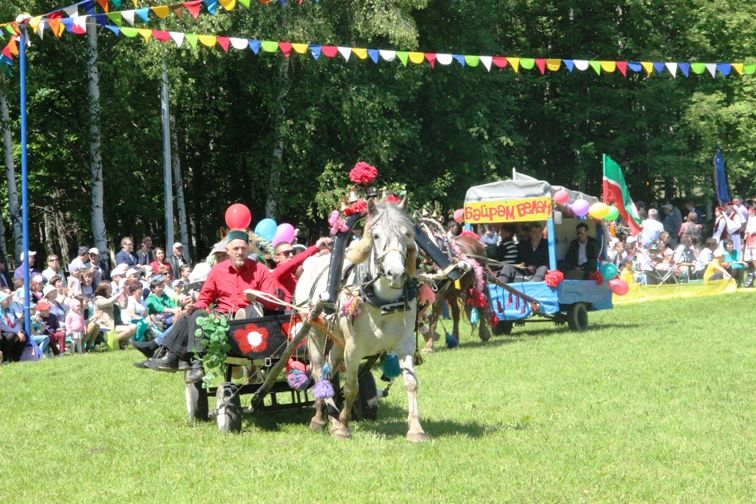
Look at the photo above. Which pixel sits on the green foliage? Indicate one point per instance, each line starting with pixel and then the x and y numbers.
pixel 262 128
pixel 213 329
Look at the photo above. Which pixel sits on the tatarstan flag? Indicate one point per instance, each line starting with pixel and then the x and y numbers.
pixel 615 191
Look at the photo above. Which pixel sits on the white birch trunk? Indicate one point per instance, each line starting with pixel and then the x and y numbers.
pixel 99 232
pixel 10 175
pixel 178 181
pixel 167 180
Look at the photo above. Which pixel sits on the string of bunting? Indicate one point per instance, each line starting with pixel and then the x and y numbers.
pixel 78 26
pixel 193 7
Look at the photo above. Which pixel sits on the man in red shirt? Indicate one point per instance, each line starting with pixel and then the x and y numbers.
pixel 224 288
pixel 287 264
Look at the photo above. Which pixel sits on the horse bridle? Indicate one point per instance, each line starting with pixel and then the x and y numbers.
pixel 378 257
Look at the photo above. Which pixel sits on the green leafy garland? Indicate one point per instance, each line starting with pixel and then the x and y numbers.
pixel 213 329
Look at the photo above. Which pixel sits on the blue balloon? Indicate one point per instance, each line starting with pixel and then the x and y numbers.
pixel 608 271
pixel 266 229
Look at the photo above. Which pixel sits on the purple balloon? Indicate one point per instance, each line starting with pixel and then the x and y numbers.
pixel 580 207
pixel 284 234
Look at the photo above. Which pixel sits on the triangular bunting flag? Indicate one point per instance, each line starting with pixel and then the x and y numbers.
pixel 360 52
pixel 684 68
pixel 698 68
pixel 71 10
pixel 553 64
pixel 223 42
pixel 459 59
pixel 191 39
pixel 193 7
pixel 749 69
pixel 738 67
pixel 569 64
pixel 659 67
pixel 228 4
pixel 431 59
pixel 270 46
pixel 387 55
pixel 596 66
pixel 541 64
pixel 671 68
pixel 116 31
pixel 634 66
pixel 146 35
pixel 515 62
pixel 115 17
pixel 178 38
pixel 161 11
pixel 329 51
pixel 581 65
pixel 207 40
pixel 374 55
pixel 144 14
pixel 712 68
pixel 499 61
pixel 103 5
pixel 622 67
pixel 285 48
pixel 211 6
pixel 403 56
pixel 128 15
pixel 472 61
pixel 647 66
pixel 315 50
pixel 608 66
pixel 254 46
pixel 345 52
pixel 444 59
pixel 299 48
pixel 724 68
pixel 129 32
pixel 80 25
pixel 161 36
pixel 239 44
pixel 416 58
pixel 486 60
pixel 527 63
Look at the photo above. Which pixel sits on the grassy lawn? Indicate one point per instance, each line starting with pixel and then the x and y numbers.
pixel 656 403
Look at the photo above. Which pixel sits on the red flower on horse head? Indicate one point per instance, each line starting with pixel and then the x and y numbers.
pixel 363 174
pixel 251 338
pixel 392 198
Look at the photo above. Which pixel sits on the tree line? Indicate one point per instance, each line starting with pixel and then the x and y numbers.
pixel 279 134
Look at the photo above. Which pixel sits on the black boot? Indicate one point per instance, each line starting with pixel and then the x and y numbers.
pixel 165 361
pixel 146 347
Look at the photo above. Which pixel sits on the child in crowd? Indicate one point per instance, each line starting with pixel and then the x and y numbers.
pixel 184 273
pixel 75 325
pixel 51 327
pixel 87 283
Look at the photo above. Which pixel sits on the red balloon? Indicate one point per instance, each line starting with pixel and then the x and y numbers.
pixel 618 286
pixel 238 216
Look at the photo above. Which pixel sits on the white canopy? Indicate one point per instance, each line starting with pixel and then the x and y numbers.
pixel 520 186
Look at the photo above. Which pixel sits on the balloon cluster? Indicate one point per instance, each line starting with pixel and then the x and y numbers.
pixel 582 208
pixel 238 216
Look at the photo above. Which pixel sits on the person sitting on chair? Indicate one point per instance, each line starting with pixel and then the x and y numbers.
pixel 532 257
pixel 225 288
pixel 582 256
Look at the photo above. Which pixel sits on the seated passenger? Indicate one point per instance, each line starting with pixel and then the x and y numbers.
pixel 582 256
pixel 532 257
pixel 506 250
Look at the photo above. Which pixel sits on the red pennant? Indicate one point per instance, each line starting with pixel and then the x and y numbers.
pixel 329 51
pixel 499 61
pixel 541 64
pixel 161 36
pixel 285 48
pixel 103 4
pixel 224 42
pixel 431 59
pixel 193 7
pixel 622 67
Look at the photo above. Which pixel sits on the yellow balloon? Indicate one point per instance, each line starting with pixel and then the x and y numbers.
pixel 598 210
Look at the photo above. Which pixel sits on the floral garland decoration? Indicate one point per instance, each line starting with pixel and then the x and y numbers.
pixel 553 278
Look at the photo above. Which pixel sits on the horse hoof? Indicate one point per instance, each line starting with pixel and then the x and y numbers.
pixel 317 425
pixel 342 433
pixel 417 437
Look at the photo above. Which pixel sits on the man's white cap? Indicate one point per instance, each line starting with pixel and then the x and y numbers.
pixel 178 244
pixel 94 250
pixel 31 253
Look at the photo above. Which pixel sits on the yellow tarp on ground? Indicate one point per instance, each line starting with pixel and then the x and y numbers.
pixel 640 293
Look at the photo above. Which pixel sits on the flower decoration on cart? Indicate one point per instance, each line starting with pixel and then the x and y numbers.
pixel 553 278
pixel 251 338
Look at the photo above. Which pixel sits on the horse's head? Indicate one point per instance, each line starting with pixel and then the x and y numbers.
pixel 389 240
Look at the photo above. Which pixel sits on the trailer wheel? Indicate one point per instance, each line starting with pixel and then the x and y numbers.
pixel 196 402
pixel 229 417
pixel 577 317
pixel 503 328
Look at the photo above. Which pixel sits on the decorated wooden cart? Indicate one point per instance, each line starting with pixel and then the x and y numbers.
pixel 522 200
pixel 263 352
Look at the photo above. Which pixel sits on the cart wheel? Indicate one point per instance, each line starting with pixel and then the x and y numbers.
pixel 577 317
pixel 229 417
pixel 196 402
pixel 503 328
pixel 362 410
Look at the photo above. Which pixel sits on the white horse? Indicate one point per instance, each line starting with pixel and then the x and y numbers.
pixel 375 312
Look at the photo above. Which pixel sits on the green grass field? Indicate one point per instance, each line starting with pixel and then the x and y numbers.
pixel 656 403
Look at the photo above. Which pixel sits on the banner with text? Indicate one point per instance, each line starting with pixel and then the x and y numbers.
pixel 512 210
